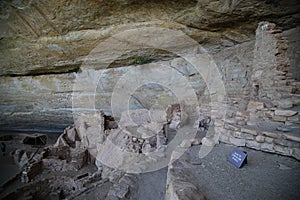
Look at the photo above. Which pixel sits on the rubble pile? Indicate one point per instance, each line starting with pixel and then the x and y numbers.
pixel 68 168
pixel 138 132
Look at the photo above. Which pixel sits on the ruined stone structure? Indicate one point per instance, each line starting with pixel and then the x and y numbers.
pixel 84 64
pixel 270 119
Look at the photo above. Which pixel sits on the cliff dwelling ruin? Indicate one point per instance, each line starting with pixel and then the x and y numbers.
pixel 149 100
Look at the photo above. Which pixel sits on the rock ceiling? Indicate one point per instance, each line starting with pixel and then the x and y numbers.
pixel 44 37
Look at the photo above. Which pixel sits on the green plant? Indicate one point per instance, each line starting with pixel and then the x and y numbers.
pixel 140 60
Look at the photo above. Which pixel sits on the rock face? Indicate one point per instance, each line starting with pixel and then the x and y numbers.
pixel 36 102
pixel 62 33
pixel 180 180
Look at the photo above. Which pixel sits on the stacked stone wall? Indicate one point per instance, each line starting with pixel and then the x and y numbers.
pixel 271 121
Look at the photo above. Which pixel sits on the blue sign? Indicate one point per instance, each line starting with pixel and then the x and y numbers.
pixel 238 158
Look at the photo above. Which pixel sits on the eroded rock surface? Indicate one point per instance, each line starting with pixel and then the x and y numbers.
pixel 44 43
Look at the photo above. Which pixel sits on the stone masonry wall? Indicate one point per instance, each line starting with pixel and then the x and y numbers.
pixel 271 121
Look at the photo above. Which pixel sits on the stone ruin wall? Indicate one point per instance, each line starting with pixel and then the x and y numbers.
pixel 270 122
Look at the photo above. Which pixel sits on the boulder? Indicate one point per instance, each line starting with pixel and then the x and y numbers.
pixel 180 181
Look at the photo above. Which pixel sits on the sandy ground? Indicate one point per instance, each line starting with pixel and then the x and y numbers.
pixel 265 176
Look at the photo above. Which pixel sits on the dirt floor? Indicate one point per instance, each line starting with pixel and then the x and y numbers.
pixel 265 176
pixel 152 185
